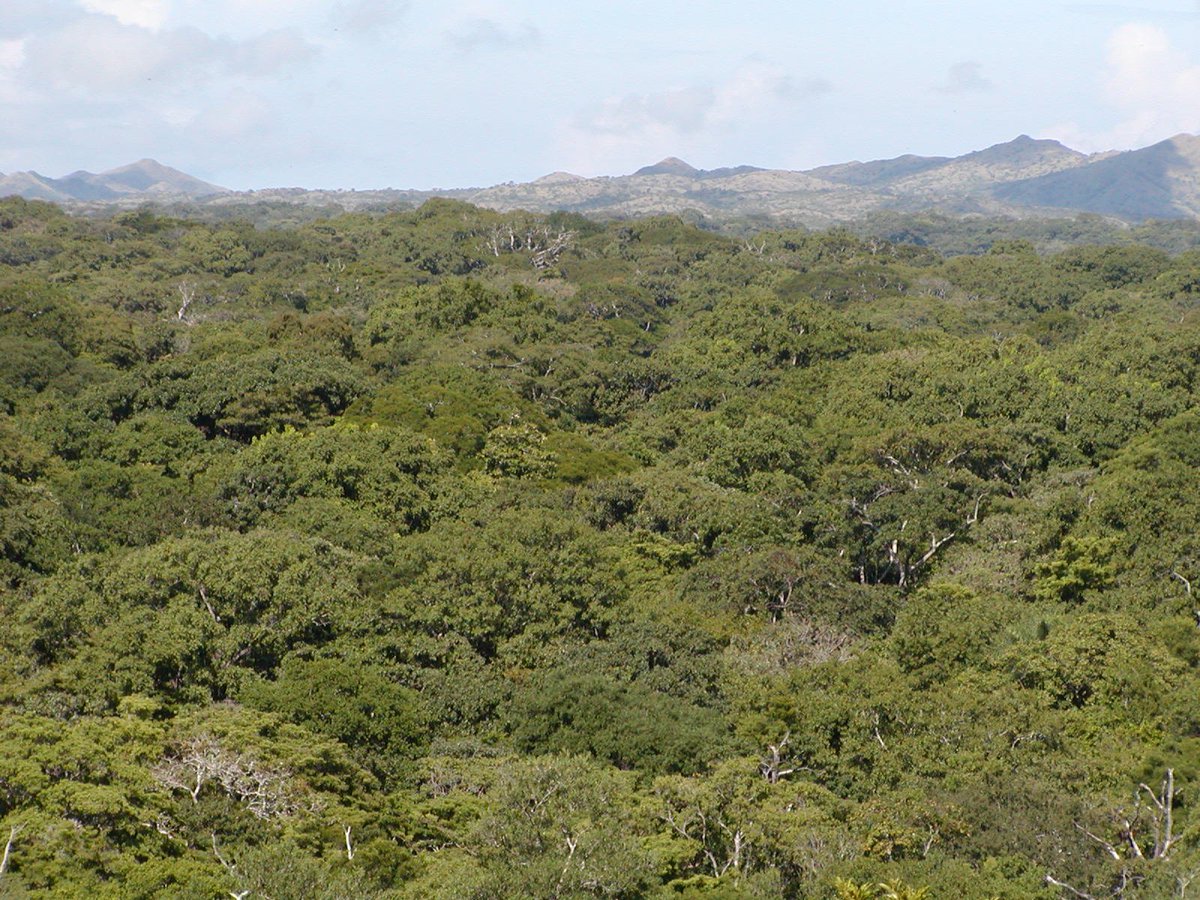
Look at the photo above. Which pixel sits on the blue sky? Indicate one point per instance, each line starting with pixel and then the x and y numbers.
pixel 386 93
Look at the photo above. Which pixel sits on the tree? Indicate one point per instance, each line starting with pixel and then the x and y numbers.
pixel 201 761
pixel 560 827
pixel 626 725
pixel 515 451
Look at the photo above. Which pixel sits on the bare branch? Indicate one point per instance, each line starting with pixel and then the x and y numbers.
pixel 772 767
pixel 974 516
pixel 228 866
pixel 1187 585
pixel 202 760
pixel 1109 848
pixel 187 294
pixel 207 605
pixel 12 836
pixel 934 546
pixel 1066 887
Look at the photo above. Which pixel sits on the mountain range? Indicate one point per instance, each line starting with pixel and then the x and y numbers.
pixel 139 181
pixel 1022 177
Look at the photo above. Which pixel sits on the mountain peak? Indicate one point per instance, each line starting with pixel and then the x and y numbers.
pixel 151 175
pixel 1024 150
pixel 1182 141
pixel 559 178
pixel 143 165
pixel 144 178
pixel 672 165
pixel 1024 141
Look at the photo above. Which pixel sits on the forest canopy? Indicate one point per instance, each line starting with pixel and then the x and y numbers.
pixel 457 553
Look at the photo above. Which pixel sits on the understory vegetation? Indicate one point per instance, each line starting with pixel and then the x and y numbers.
pixel 464 554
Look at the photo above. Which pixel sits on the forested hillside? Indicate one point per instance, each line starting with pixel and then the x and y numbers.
pixel 464 554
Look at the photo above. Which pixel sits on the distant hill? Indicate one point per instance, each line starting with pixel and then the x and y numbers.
pixel 145 179
pixel 670 166
pixel 29 185
pixel 1023 177
pixel 880 172
pixel 971 179
pixel 1161 181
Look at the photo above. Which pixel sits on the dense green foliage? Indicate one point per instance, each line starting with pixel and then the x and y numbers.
pixel 396 556
pixel 958 234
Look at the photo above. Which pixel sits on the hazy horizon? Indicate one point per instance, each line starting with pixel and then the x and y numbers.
pixel 367 94
pixel 425 189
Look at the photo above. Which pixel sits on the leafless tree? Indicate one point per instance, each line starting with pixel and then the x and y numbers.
pixel 202 760
pixel 772 766
pixel 722 843
pixel 1145 831
pixel 905 569
pixel 196 763
pixel 543 244
pixel 187 294
pixel 552 246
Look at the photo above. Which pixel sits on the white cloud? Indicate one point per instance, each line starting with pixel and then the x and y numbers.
pixel 684 110
pixel 265 54
pixel 146 13
pixel 751 90
pixel 178 116
pixel 97 54
pixel 236 115
pixel 491 34
pixel 367 16
pixel 12 57
pixel 965 78
pixel 320 19
pixel 756 89
pixel 1152 86
pixel 1147 71
pixel 12 54
pixel 640 128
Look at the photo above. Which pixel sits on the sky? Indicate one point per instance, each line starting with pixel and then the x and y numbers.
pixel 460 93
